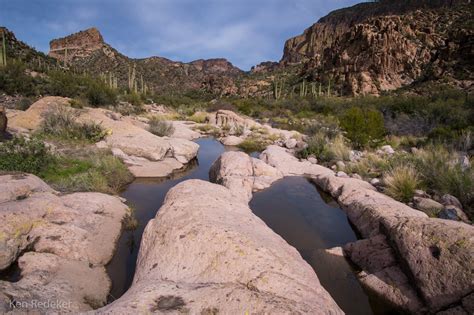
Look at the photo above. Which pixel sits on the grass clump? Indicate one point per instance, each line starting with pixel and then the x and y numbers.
pixel 325 149
pixel 253 145
pixel 24 155
pixel 160 128
pixel 99 171
pixel 401 183
pixel 60 122
pixel 198 117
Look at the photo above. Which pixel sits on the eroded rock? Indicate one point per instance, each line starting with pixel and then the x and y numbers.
pixel 206 250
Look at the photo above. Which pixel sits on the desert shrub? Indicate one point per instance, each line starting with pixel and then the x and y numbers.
pixel 215 106
pixel 198 117
pixel 338 149
pixel 23 155
pixel 317 146
pixel 160 128
pixel 441 172
pixel 363 126
pixel 61 122
pixel 401 183
pixel 99 94
pixel 250 145
pixel 133 98
pixel 239 130
pixel 14 80
pixel 78 103
pixel 369 166
pixel 209 129
pixel 24 103
pixel 98 171
pixel 329 125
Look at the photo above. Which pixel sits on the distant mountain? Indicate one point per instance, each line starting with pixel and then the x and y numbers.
pixel 87 51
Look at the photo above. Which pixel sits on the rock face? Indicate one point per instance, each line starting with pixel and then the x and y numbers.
pixel 208 254
pixel 145 154
pixel 87 50
pixel 78 45
pixel 242 174
pixel 62 243
pixel 403 251
pixel 374 47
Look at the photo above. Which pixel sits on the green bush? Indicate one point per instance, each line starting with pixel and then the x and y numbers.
pixel 23 155
pixel 99 171
pixel 61 122
pixel 160 128
pixel 99 94
pixel 363 126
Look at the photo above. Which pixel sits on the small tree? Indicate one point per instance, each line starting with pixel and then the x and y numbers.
pixel 363 126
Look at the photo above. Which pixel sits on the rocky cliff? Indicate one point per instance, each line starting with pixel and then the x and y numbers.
pixel 385 45
pixel 87 50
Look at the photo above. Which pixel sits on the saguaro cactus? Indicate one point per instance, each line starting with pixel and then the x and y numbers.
pixel 3 52
pixel 277 88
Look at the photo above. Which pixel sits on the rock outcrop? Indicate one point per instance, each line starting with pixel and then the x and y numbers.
pixel 61 242
pixel 374 47
pixel 145 154
pixel 86 50
pixel 207 253
pixel 403 252
pixel 242 174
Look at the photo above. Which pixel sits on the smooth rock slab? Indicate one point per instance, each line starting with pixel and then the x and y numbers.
pixel 206 252
pixel 439 255
pixel 242 174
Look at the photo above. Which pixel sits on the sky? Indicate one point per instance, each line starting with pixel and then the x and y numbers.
pixel 246 32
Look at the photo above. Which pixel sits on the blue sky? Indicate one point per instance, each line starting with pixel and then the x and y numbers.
pixel 246 32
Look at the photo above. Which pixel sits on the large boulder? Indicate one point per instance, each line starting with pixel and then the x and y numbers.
pixel 207 253
pixel 61 243
pixel 242 174
pixel 289 165
pixel 438 256
pixel 31 119
pixel 146 154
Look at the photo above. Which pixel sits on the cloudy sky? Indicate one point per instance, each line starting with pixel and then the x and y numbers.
pixel 244 31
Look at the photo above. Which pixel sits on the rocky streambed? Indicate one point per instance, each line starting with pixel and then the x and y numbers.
pixel 203 250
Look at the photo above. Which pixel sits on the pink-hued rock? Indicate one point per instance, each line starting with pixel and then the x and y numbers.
pixel 242 174
pixel 438 254
pixel 206 251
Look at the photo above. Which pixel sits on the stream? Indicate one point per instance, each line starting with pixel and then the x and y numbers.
pixel 293 207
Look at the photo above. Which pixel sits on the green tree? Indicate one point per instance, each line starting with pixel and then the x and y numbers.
pixel 363 126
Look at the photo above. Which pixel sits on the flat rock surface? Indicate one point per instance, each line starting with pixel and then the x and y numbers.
pixel 439 256
pixel 69 239
pixel 207 253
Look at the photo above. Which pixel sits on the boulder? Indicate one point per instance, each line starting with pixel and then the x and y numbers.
pixel 428 206
pixel 140 147
pixel 242 174
pixel 387 149
pixel 206 253
pixel 453 213
pixel 367 209
pixel 69 239
pixel 438 255
pixel 232 141
pixel 450 200
pixel 313 160
pixel 183 130
pixel 31 118
pixel 291 143
pixel 342 174
pixel 289 165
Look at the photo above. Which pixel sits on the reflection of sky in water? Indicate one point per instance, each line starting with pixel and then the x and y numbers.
pixel 295 210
